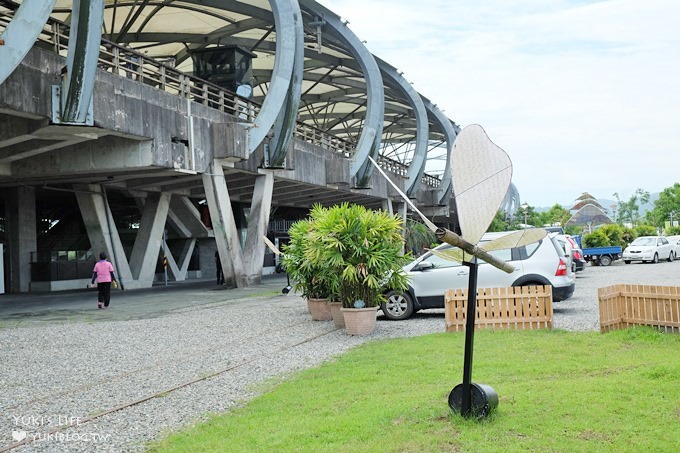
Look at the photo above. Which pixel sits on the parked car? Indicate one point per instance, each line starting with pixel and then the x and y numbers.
pixel 554 229
pixel 649 248
pixel 675 244
pixel 572 249
pixel 540 263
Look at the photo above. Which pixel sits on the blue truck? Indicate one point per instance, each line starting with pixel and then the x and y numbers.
pixel 602 256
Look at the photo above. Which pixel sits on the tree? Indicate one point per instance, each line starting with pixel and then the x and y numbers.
pixel 614 233
pixel 630 210
pixel 596 239
pixel 501 223
pixel 526 214
pixel 667 207
pixel 417 237
pixel 606 235
pixel 645 230
pixel 556 214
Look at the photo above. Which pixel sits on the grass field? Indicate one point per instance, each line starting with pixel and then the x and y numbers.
pixel 558 392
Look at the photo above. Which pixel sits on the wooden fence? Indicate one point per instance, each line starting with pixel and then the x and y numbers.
pixel 623 306
pixel 517 307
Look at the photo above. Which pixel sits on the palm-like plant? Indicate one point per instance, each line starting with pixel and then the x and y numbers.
pixel 312 280
pixel 362 247
pixel 417 236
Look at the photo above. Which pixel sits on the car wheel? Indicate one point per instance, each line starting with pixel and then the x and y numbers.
pixel 670 257
pixel 656 258
pixel 626 261
pixel 605 260
pixel 398 306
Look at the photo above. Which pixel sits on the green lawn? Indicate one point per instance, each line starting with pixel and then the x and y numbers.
pixel 558 392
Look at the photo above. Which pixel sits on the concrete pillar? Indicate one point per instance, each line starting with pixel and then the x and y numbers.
pixel 258 221
pixel 185 219
pixel 224 226
pixel 387 206
pixel 21 226
pixel 144 254
pixel 101 229
pixel 178 269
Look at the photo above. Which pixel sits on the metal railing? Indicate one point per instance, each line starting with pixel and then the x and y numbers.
pixel 162 75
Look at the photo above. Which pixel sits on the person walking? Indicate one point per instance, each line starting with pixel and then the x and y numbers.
pixel 104 274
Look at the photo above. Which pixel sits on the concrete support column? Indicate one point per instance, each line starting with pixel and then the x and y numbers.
pixel 178 269
pixel 401 209
pixel 101 230
pixel 20 212
pixel 185 219
pixel 224 226
pixel 258 221
pixel 144 254
pixel 387 206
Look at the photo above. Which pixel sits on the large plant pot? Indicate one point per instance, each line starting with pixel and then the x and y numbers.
pixel 360 321
pixel 320 309
pixel 338 316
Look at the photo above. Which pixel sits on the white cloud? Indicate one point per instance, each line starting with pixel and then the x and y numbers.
pixel 584 95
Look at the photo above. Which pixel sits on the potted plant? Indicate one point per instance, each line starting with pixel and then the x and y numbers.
pixel 364 248
pixel 312 280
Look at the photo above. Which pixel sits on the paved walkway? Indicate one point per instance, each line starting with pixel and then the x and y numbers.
pixel 20 310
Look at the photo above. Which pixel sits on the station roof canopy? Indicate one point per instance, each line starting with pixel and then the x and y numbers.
pixel 333 90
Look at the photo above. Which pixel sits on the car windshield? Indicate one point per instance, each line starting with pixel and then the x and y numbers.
pixel 644 241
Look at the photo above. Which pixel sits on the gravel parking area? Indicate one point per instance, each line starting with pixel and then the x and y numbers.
pixel 60 374
pixel 581 312
pixel 219 355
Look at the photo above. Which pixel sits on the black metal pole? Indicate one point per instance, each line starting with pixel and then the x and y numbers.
pixel 466 405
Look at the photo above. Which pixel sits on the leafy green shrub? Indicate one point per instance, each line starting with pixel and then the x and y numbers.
pixel 645 230
pixel 361 246
pixel 312 280
pixel 418 236
pixel 673 231
pixel 596 239
pixel 628 235
pixel 614 233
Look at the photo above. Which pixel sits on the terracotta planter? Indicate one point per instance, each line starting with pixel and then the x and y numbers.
pixel 320 309
pixel 360 321
pixel 338 316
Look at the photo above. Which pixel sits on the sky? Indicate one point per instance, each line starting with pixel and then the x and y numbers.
pixel 584 96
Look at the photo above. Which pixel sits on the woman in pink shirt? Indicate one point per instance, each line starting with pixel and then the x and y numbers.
pixel 103 273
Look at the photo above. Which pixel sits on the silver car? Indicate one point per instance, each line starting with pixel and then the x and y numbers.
pixel 650 249
pixel 540 263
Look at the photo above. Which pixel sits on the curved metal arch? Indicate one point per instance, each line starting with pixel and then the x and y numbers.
pixel 83 54
pixel 371 135
pixel 417 166
pixel 285 23
pixel 450 133
pixel 21 33
pixel 511 202
pixel 284 126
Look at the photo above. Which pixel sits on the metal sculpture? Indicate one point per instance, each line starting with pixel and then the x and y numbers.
pixel 481 174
